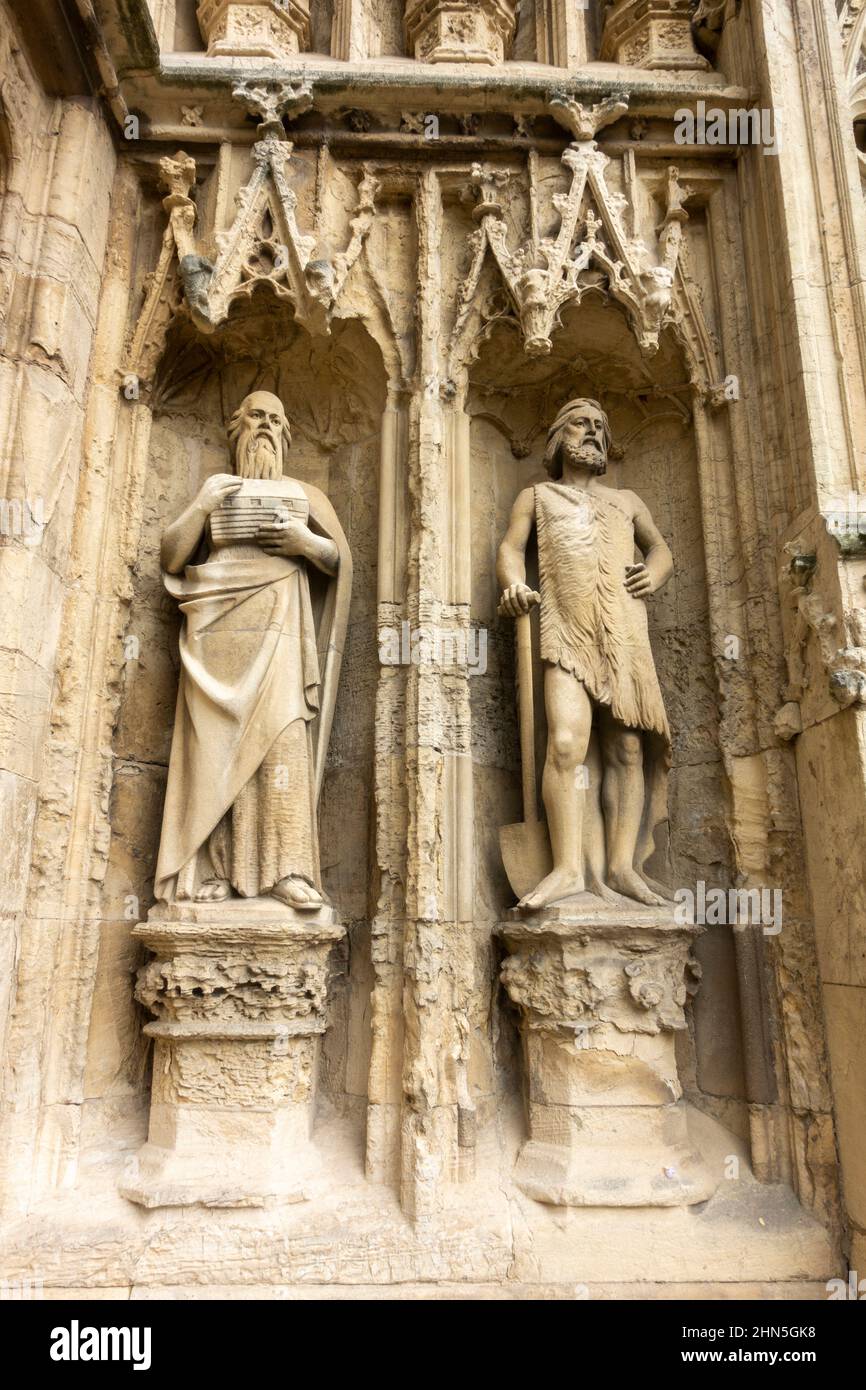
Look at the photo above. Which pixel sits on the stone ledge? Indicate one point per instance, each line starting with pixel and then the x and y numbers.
pixel 488 1236
pixel 796 1291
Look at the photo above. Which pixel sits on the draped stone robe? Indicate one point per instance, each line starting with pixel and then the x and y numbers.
pixel 242 777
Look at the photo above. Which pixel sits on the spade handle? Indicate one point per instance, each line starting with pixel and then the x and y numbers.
pixel 526 713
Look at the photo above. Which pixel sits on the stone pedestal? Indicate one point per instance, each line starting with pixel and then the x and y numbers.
pixel 255 28
pixel 601 994
pixel 239 990
pixel 650 34
pixel 460 31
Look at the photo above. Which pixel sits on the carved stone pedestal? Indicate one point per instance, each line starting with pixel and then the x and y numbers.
pixel 239 990
pixel 460 31
pixel 601 994
pixel 650 34
pixel 255 28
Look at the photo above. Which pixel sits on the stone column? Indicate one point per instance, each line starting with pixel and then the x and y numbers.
pixel 437 1120
pixel 350 30
pixel 255 28
pixel 650 34
pixel 239 990
pixel 384 1087
pixel 561 32
pixel 601 995
pixel 460 31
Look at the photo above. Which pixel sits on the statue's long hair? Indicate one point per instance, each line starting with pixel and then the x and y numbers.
pixel 236 423
pixel 553 451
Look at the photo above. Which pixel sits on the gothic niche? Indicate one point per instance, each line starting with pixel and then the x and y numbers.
pixel 208 981
pixel 513 399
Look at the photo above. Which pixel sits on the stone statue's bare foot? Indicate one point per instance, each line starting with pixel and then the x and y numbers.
pixel 213 890
pixel 666 894
pixel 630 884
pixel 561 883
pixel 602 891
pixel 297 893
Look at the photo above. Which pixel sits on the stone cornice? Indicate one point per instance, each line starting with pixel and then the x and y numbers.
pixel 114 52
pixel 388 89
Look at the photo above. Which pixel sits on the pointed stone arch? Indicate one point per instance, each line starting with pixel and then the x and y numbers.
pixel 263 247
pixel 596 249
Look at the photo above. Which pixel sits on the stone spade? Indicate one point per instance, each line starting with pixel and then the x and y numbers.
pixel 525 847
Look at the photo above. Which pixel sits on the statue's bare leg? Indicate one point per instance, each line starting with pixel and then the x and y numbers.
pixel 655 810
pixel 623 799
pixel 298 893
pixel 569 721
pixel 593 828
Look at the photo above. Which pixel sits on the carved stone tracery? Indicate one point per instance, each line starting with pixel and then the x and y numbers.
pixel 592 250
pixel 264 245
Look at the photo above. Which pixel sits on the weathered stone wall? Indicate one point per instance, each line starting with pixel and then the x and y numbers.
pixel 724 336
pixel 57 177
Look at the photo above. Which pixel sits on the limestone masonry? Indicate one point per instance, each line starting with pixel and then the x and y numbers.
pixel 433 564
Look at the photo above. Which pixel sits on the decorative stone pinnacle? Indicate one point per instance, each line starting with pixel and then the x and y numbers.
pixel 178 177
pixel 486 184
pixel 676 197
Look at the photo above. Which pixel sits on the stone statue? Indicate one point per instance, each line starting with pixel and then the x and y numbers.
pixel 261 569
pixel 608 747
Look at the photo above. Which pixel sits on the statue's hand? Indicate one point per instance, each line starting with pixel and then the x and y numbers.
pixel 289 537
pixel 215 490
pixel 638 581
pixel 516 600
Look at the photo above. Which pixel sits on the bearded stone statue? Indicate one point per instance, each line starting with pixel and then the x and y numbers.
pixel 261 569
pixel 604 785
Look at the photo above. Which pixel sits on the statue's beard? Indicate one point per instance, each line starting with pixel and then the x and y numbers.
pixel 587 456
pixel 259 455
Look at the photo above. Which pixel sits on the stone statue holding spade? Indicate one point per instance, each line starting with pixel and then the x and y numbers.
pixel 604 784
